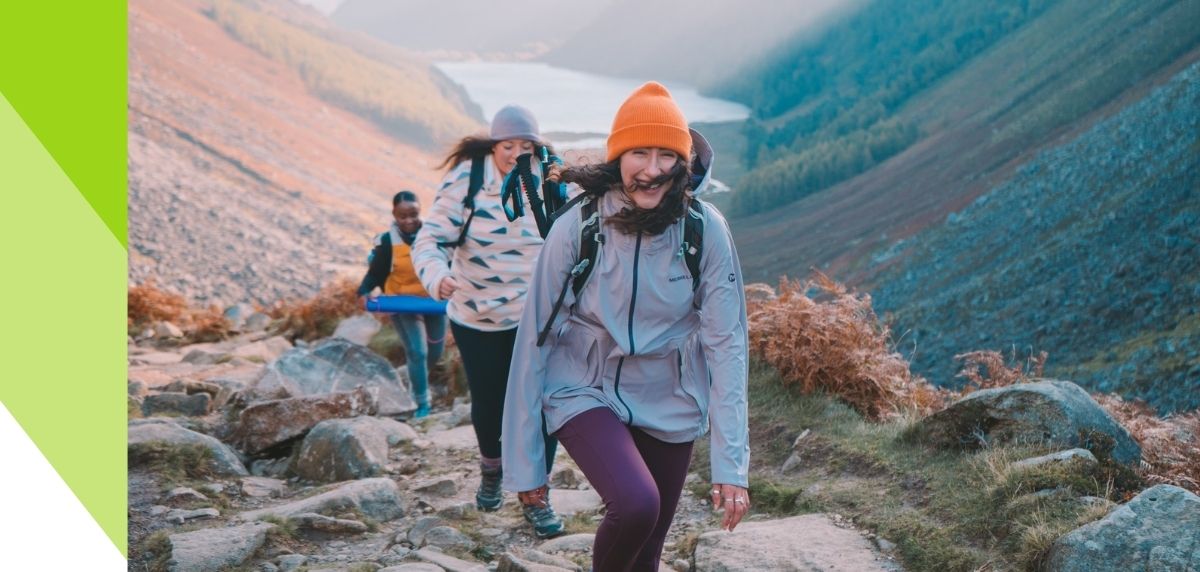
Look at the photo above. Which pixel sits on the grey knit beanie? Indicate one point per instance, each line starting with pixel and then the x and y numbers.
pixel 515 122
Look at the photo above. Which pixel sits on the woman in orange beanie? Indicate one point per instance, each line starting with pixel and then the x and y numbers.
pixel 650 346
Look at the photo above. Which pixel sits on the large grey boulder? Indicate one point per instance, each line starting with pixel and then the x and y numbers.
pixel 1050 411
pixel 1158 530
pixel 269 423
pixel 344 449
pixel 335 365
pixel 377 498
pixel 214 549
pixel 807 543
pixel 146 433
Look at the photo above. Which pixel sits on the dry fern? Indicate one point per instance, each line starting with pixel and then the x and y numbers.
pixel 318 316
pixel 837 346
pixel 986 369
pixel 1170 446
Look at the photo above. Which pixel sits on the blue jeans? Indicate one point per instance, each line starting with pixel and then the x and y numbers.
pixel 424 338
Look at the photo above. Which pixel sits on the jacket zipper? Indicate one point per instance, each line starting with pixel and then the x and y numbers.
pixel 637 249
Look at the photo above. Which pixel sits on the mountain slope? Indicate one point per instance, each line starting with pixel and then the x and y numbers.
pixel 1091 251
pixel 243 184
pixel 1038 84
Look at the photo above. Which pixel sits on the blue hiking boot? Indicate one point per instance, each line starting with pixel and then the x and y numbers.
pixel 489 496
pixel 546 524
pixel 422 411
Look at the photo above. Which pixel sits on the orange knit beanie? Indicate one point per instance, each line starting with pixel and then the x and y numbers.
pixel 649 118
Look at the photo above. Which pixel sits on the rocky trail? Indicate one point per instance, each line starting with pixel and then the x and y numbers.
pixel 255 454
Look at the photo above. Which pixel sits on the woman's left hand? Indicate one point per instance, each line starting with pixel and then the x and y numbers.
pixel 734 499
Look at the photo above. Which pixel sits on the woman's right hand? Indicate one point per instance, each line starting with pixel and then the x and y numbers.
pixel 554 174
pixel 447 287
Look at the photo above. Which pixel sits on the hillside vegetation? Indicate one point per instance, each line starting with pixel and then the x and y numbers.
pixel 405 96
pixel 1091 252
pixel 830 109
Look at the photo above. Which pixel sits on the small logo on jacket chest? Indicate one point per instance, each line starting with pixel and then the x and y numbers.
pixel 678 278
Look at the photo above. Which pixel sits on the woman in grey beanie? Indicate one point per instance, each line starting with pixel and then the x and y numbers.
pixel 471 255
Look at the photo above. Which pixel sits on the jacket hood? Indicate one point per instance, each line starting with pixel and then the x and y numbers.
pixel 702 166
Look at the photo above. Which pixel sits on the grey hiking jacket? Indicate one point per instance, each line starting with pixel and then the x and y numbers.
pixel 633 342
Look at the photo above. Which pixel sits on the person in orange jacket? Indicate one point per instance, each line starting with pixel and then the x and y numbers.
pixel 391 269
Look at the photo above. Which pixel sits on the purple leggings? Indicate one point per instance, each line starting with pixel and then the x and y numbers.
pixel 639 478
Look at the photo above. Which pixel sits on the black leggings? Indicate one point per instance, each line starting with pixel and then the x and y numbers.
pixel 486 357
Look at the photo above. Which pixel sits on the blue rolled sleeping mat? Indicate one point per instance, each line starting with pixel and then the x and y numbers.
pixel 403 304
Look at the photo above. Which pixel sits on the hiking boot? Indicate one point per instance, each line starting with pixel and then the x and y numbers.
pixel 422 411
pixel 489 496
pixel 546 524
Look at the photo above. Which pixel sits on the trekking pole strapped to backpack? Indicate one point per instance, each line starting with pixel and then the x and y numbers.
pixel 545 196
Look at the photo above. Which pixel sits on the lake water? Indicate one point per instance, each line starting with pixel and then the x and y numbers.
pixel 577 107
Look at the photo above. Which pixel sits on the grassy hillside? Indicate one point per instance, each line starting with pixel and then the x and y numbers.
pixel 1091 252
pixel 828 110
pixel 825 110
pixel 404 95
pixel 1058 74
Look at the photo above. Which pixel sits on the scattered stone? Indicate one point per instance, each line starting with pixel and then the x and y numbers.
pixel 206 355
pixel 1062 457
pixel 185 494
pixel 172 403
pixel 375 498
pixel 1158 530
pixel 447 537
pixel 192 387
pixel 335 365
pixel 461 511
pixel 263 351
pixel 178 516
pixel 213 549
pixel 772 545
pixel 263 487
pixel 447 562
pixel 566 478
pixel 142 435
pixel 457 439
pixel 681 565
pixel 270 467
pixel 1050 411
pixel 441 487
pixel 264 425
pixel 290 562
pixel 257 322
pixel 571 543
pixel 568 502
pixel 155 358
pixel 322 523
pixel 159 509
pixel 344 449
pixel 138 389
pixel 167 330
pixel 519 559
pixel 795 460
pixel 358 329
pixel 213 488
pixel 416 534
pixel 267 567
pixel 415 567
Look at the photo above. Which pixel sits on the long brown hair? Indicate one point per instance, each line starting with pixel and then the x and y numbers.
pixel 599 178
pixel 474 147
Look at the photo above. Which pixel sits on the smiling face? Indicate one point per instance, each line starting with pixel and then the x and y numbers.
pixel 505 153
pixel 640 167
pixel 408 216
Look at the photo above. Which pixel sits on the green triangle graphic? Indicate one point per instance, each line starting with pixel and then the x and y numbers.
pixel 64 71
pixel 64 325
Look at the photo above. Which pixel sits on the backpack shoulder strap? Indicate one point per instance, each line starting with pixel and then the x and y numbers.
pixel 473 186
pixel 590 240
pixel 693 240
